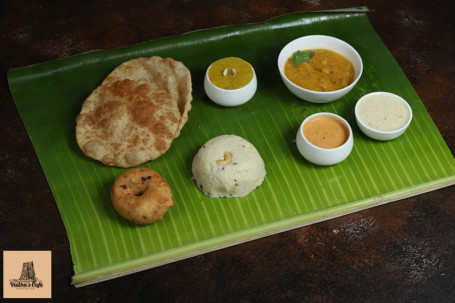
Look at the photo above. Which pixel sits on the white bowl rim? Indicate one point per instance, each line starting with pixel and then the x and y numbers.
pixel 331 115
pixel 384 132
pixel 354 81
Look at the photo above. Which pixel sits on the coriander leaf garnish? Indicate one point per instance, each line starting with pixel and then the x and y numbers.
pixel 301 57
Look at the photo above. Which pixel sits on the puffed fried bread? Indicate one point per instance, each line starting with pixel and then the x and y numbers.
pixel 136 113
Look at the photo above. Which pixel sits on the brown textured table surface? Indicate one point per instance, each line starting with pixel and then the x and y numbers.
pixel 400 252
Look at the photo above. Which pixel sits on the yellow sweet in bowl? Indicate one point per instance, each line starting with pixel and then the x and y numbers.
pixel 230 81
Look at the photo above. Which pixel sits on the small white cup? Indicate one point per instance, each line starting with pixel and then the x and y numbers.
pixel 382 135
pixel 324 156
pixel 230 97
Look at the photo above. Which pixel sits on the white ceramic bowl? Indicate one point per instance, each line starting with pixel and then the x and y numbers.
pixel 324 42
pixel 230 97
pixel 324 156
pixel 377 134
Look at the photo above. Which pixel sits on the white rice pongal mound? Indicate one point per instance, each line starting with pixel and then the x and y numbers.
pixel 228 166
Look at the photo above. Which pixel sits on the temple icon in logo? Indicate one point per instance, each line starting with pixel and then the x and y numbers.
pixel 28 272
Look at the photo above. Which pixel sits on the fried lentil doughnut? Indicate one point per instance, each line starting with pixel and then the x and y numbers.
pixel 141 195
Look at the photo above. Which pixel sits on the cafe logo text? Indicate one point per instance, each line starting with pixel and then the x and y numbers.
pixel 28 278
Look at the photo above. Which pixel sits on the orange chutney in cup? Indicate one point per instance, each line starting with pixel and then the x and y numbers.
pixel 326 132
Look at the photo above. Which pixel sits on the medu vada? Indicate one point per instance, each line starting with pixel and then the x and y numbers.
pixel 141 195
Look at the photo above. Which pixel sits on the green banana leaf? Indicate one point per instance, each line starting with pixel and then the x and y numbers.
pixel 295 193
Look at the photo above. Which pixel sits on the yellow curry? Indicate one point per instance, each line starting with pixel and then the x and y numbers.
pixel 230 73
pixel 324 71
